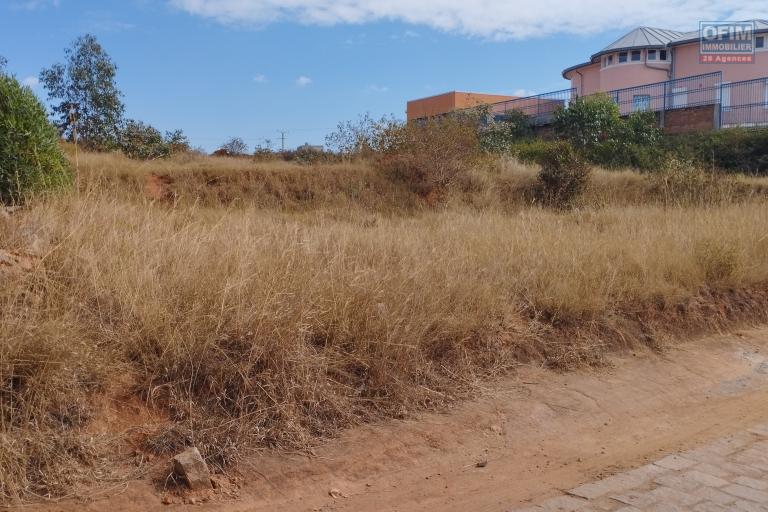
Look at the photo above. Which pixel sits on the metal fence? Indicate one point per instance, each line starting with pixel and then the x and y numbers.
pixel 744 103
pixel 539 108
pixel 686 92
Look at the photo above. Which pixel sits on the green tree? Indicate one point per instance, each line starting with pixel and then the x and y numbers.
pixel 145 142
pixel 3 63
pixel 588 120
pixel 30 156
pixel 498 135
pixel 84 94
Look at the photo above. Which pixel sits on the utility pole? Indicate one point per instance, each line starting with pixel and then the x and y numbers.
pixel 282 139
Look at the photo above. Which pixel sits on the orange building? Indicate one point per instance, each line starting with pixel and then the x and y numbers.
pixel 450 101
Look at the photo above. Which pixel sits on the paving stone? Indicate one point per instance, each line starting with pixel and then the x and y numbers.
pixel 676 481
pixel 748 506
pixel 667 507
pixel 708 506
pixel 704 479
pixel 673 496
pixel 636 499
pixel 713 470
pixel 613 484
pixel 676 462
pixel 747 493
pixel 760 485
pixel 716 496
pixel 563 504
pixel 730 474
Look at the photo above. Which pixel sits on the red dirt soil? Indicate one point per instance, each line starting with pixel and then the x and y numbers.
pixel 527 437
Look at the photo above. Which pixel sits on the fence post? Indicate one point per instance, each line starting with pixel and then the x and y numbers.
pixel 719 120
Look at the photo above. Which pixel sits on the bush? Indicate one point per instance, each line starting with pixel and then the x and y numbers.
pixel 531 151
pixel 500 135
pixel 144 142
pixel 588 121
pixel 431 155
pixel 563 176
pixel 30 156
pixel 732 149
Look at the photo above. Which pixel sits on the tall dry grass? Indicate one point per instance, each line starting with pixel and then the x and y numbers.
pixel 248 325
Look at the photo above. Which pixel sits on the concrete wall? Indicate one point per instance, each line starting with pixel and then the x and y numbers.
pixel 450 101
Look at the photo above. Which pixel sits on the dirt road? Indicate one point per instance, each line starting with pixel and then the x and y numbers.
pixel 524 441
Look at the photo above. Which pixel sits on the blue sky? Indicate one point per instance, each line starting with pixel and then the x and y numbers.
pixel 248 68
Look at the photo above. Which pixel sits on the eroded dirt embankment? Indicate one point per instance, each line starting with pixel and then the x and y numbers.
pixel 532 435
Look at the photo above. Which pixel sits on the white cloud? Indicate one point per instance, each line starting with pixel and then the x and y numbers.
pixel 303 81
pixel 492 19
pixel 31 5
pixel 31 81
pixel 259 79
pixel 523 93
pixel 378 88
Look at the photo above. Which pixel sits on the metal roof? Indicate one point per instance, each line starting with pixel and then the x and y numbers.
pixel 642 37
pixel 694 35
pixel 649 37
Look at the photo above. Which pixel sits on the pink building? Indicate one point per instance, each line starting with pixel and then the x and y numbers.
pixel 650 55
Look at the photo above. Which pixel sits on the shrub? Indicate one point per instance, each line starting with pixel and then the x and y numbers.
pixel 532 151
pixel 588 120
pixel 499 135
pixel 431 155
pixel 144 142
pixel 563 176
pixel 732 149
pixel 30 156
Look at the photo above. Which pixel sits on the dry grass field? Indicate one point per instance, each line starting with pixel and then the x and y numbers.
pixel 246 305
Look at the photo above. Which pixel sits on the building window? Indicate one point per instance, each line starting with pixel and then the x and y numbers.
pixel 622 57
pixel 610 60
pixel 651 54
pixel 637 55
pixel 662 54
pixel 760 42
pixel 641 102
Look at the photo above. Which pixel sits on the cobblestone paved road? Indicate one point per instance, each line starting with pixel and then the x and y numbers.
pixel 727 475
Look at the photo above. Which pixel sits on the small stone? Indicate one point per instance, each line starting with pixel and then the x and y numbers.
pixel 190 465
pixel 481 464
pixel 167 500
pixel 336 494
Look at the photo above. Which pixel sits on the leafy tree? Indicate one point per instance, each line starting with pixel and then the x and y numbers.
pixel 85 94
pixel 500 134
pixel 30 156
pixel 3 63
pixel 588 120
pixel 234 147
pixel 145 142
pixel 177 142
